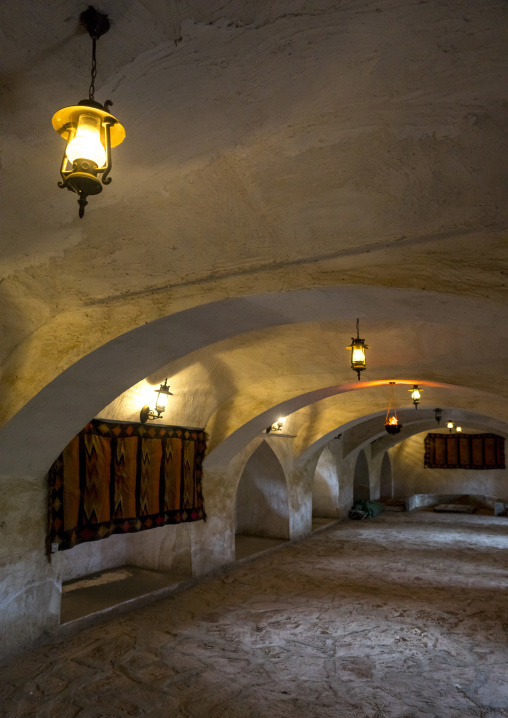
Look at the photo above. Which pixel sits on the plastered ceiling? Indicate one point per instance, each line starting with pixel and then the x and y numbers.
pixel 271 147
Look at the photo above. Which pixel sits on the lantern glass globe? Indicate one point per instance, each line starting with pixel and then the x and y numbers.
pixel 86 143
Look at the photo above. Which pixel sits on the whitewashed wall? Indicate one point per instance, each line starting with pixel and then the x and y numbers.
pixel 325 487
pixel 262 507
pixel 410 477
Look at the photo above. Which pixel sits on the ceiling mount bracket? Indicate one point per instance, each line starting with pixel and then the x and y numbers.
pixel 94 22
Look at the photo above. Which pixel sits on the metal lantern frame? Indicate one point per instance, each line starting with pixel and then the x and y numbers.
pixel 358 344
pixel 83 176
pixel 150 414
pixel 416 393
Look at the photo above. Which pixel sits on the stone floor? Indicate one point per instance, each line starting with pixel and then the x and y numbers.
pixel 252 545
pixel 405 615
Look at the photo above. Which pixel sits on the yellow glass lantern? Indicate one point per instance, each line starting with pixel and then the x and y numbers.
pixel 160 404
pixel 89 129
pixel 358 347
pixel 415 395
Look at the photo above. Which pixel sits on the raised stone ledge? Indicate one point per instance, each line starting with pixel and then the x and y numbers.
pixel 497 505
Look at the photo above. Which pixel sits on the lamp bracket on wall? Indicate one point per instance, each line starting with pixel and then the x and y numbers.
pixel 147 414
pixel 276 426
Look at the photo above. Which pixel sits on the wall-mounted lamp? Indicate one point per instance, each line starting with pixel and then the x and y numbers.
pixel 277 425
pixel 89 128
pixel 358 347
pixel 415 395
pixel 392 425
pixel 160 404
pixel 449 426
pixel 458 429
pixel 438 414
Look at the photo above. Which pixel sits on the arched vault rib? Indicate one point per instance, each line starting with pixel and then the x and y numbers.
pixel 469 419
pixel 311 435
pixel 57 413
pixel 369 428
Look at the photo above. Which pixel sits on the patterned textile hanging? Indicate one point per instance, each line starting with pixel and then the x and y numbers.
pixel 123 477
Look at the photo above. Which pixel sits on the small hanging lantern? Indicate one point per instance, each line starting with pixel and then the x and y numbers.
pixel 277 425
pixel 160 404
pixel 89 128
pixel 449 426
pixel 458 429
pixel 415 395
pixel 438 414
pixel 392 425
pixel 358 347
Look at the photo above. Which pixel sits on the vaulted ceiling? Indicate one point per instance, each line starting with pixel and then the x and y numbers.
pixel 288 167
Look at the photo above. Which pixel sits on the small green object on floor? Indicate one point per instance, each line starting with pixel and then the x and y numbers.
pixel 365 509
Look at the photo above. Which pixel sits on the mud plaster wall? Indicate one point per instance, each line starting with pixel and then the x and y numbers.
pixel 30 585
pixel 167 548
pixel 325 488
pixel 410 477
pixel 262 498
pixel 385 477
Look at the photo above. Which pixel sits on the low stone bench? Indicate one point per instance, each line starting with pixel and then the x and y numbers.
pixel 493 503
pixel 455 508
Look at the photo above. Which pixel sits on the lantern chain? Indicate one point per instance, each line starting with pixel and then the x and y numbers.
pixel 91 90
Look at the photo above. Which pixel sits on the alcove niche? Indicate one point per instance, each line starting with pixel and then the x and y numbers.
pixel 385 479
pixel 262 507
pixel 325 491
pixel 121 570
pixel 361 480
pixel 109 492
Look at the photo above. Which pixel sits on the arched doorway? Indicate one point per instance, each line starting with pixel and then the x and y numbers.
pixel 361 480
pixel 386 485
pixel 325 491
pixel 262 507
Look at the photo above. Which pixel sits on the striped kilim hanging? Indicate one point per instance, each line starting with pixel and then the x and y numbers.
pixel 124 477
pixel 464 451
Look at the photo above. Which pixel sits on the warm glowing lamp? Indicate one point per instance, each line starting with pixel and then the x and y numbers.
pixel 160 404
pixel 358 347
pixel 449 426
pixel 458 429
pixel 392 424
pixel 86 143
pixel 415 395
pixel 90 130
pixel 277 425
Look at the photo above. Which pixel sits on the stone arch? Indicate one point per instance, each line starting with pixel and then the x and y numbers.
pixel 58 411
pixel 385 478
pixel 325 487
pixel 361 479
pixel 262 506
